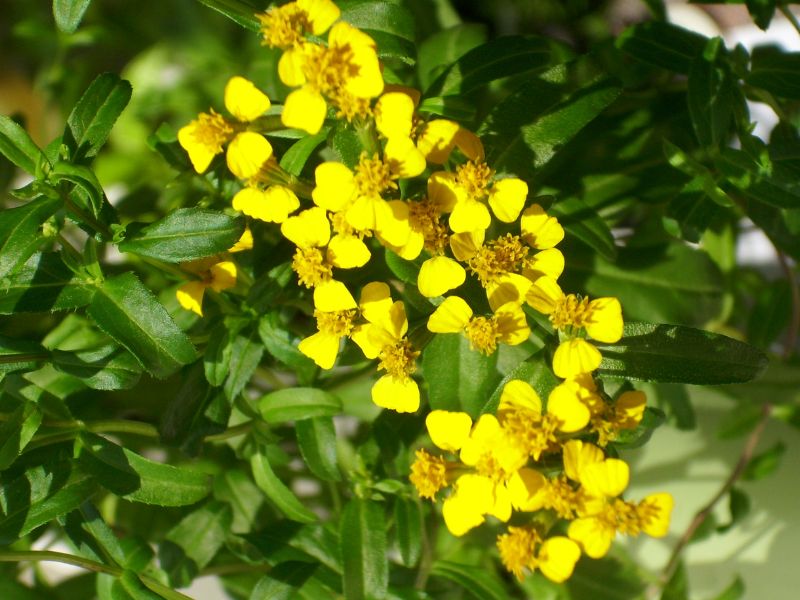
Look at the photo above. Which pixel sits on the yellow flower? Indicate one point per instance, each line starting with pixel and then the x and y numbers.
pixel 384 337
pixel 346 72
pixel 285 27
pixel 522 549
pixel 272 205
pixel 429 474
pixel 214 274
pixel 204 137
pixel 323 346
pixel 508 324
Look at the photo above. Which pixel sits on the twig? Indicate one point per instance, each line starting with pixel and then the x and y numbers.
pixel 790 16
pixel 703 514
pixel 794 325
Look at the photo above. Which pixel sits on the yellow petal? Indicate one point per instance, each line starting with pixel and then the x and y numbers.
pixel 593 535
pixel 501 508
pixel 394 113
pixel 448 430
pixel 403 158
pixel 527 489
pixel 543 295
pixel 367 82
pixel 605 320
pixel 466 245
pixel 519 393
pixel 244 100
pixel 512 325
pixel 578 455
pixel 363 337
pixel 548 263
pixel 540 230
pixel 657 525
pixel 572 414
pixel 575 357
pixel 507 198
pixel 399 395
pixel 290 67
pixel 629 408
pixel 333 296
pixel 322 348
pixel 469 215
pixel 510 287
pixel 272 205
pixel 321 14
pixel 607 478
pixel 485 437
pixel 439 275
pixel 190 296
pixel 347 252
pixel 308 229
pixel 200 154
pixel 335 186
pixel 244 243
pixel 247 152
pixel 437 140
pixel 451 316
pixel 464 509
pixel 557 557
pixel 392 225
pixel 443 191
pixel 375 301
pixel 469 144
pixel 304 109
pixel 223 276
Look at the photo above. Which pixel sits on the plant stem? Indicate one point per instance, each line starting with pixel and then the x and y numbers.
pixel 790 16
pixel 703 513
pixel 236 430
pixel 794 324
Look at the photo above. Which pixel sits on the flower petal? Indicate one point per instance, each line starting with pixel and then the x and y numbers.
pixel 437 140
pixel 564 404
pixel 246 154
pixel 190 296
pixel 605 320
pixel 394 113
pixel 308 229
pixel 448 430
pixel 439 275
pixel 607 478
pixel 304 109
pixel 519 393
pixel 507 198
pixel 469 215
pixel 575 357
pixel 223 275
pixel 333 296
pixel 322 348
pixel 539 229
pixel 347 251
pixel 544 294
pixel 403 158
pixel 321 14
pixel 593 535
pixel 244 100
pixel 335 186
pixel 400 395
pixel 557 557
pixel 451 316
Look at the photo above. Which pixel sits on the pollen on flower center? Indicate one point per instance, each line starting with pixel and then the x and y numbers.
pixel 373 176
pixel 327 69
pixel 562 498
pixel 338 323
pixel 482 334
pixel 503 255
pixel 570 311
pixel 428 474
pixel 474 177
pixel 284 27
pixel 310 266
pixel 399 359
pixel 425 217
pixel 517 549
pixel 211 130
pixel 535 433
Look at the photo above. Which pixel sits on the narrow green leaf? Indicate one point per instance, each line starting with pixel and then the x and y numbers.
pixel 458 377
pixel 738 506
pixel 69 13
pixel 583 222
pixel 133 587
pixel 446 47
pixel 389 24
pixel 676 354
pixel 128 312
pixel 184 234
pixel 17 431
pixel 735 591
pixel 362 534
pixel 18 147
pixel 296 157
pixel 92 522
pixel 764 464
pixel 316 438
pixel 283 581
pixel 277 492
pixel 677 588
pixel 240 12
pixel 709 95
pixel 408 527
pixel 663 45
pixel 217 355
pixel 479 583
pixel 294 404
pixel 185 419
pixel 498 58
pixel 106 368
pixel 246 352
pixel 21 232
pixel 138 479
pixel 282 345
pixel 191 544
pixel 85 179
pixel 92 118
pixel 44 284
pixel 762 12
pixel 775 71
pixel 236 488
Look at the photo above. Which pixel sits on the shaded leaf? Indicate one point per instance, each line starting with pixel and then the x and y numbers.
pixel 69 13
pixel 291 404
pixel 21 232
pixel 362 534
pixel 316 438
pixel 44 284
pixel 18 147
pixel 276 490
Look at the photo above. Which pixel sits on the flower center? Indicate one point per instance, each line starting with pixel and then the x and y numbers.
pixel 284 27
pixel 425 217
pixel 373 176
pixel 535 433
pixel 311 267
pixel 474 177
pixel 212 131
pixel 338 323
pixel 399 359
pixel 498 257
pixel 482 334
pixel 428 474
pixel 570 311
pixel 517 549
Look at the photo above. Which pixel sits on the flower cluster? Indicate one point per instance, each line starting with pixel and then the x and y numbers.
pixel 423 189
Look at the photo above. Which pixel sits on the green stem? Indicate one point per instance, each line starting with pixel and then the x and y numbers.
pixel 236 430
pixel 790 16
pixel 86 217
pixel 15 358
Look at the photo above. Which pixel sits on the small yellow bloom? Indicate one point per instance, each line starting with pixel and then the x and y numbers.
pixel 323 346
pixel 273 205
pixel 217 275
pixel 523 549
pixel 428 474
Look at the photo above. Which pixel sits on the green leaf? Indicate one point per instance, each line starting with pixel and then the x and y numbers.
pixel 316 438
pixel 217 354
pixel 283 581
pixel 132 587
pixel 408 527
pixel 677 587
pixel 184 234
pixel 662 45
pixel 69 13
pixel 240 12
pixel 458 377
pixel 282 345
pixel 21 232
pixel 246 352
pixel 138 479
pixel 191 544
pixel 85 179
pixel 19 355
pixel 676 354
pixel 106 368
pixel 762 12
pixel 390 24
pixel 17 431
pixel 735 591
pixel 92 118
pixel 672 284
pixel 498 58
pixel 652 419
pixel 236 488
pixel 445 47
pixel 764 464
pixel 770 315
pixel 18 147
pixel 44 284
pixel 294 404
pixel 709 94
pixel 277 492
pixel 524 131
pixel 362 535
pixel 583 222
pixel 296 157
pixel 40 495
pixel 739 507
pixel 479 583
pixel 129 313
pixel 536 371
pixel 775 71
